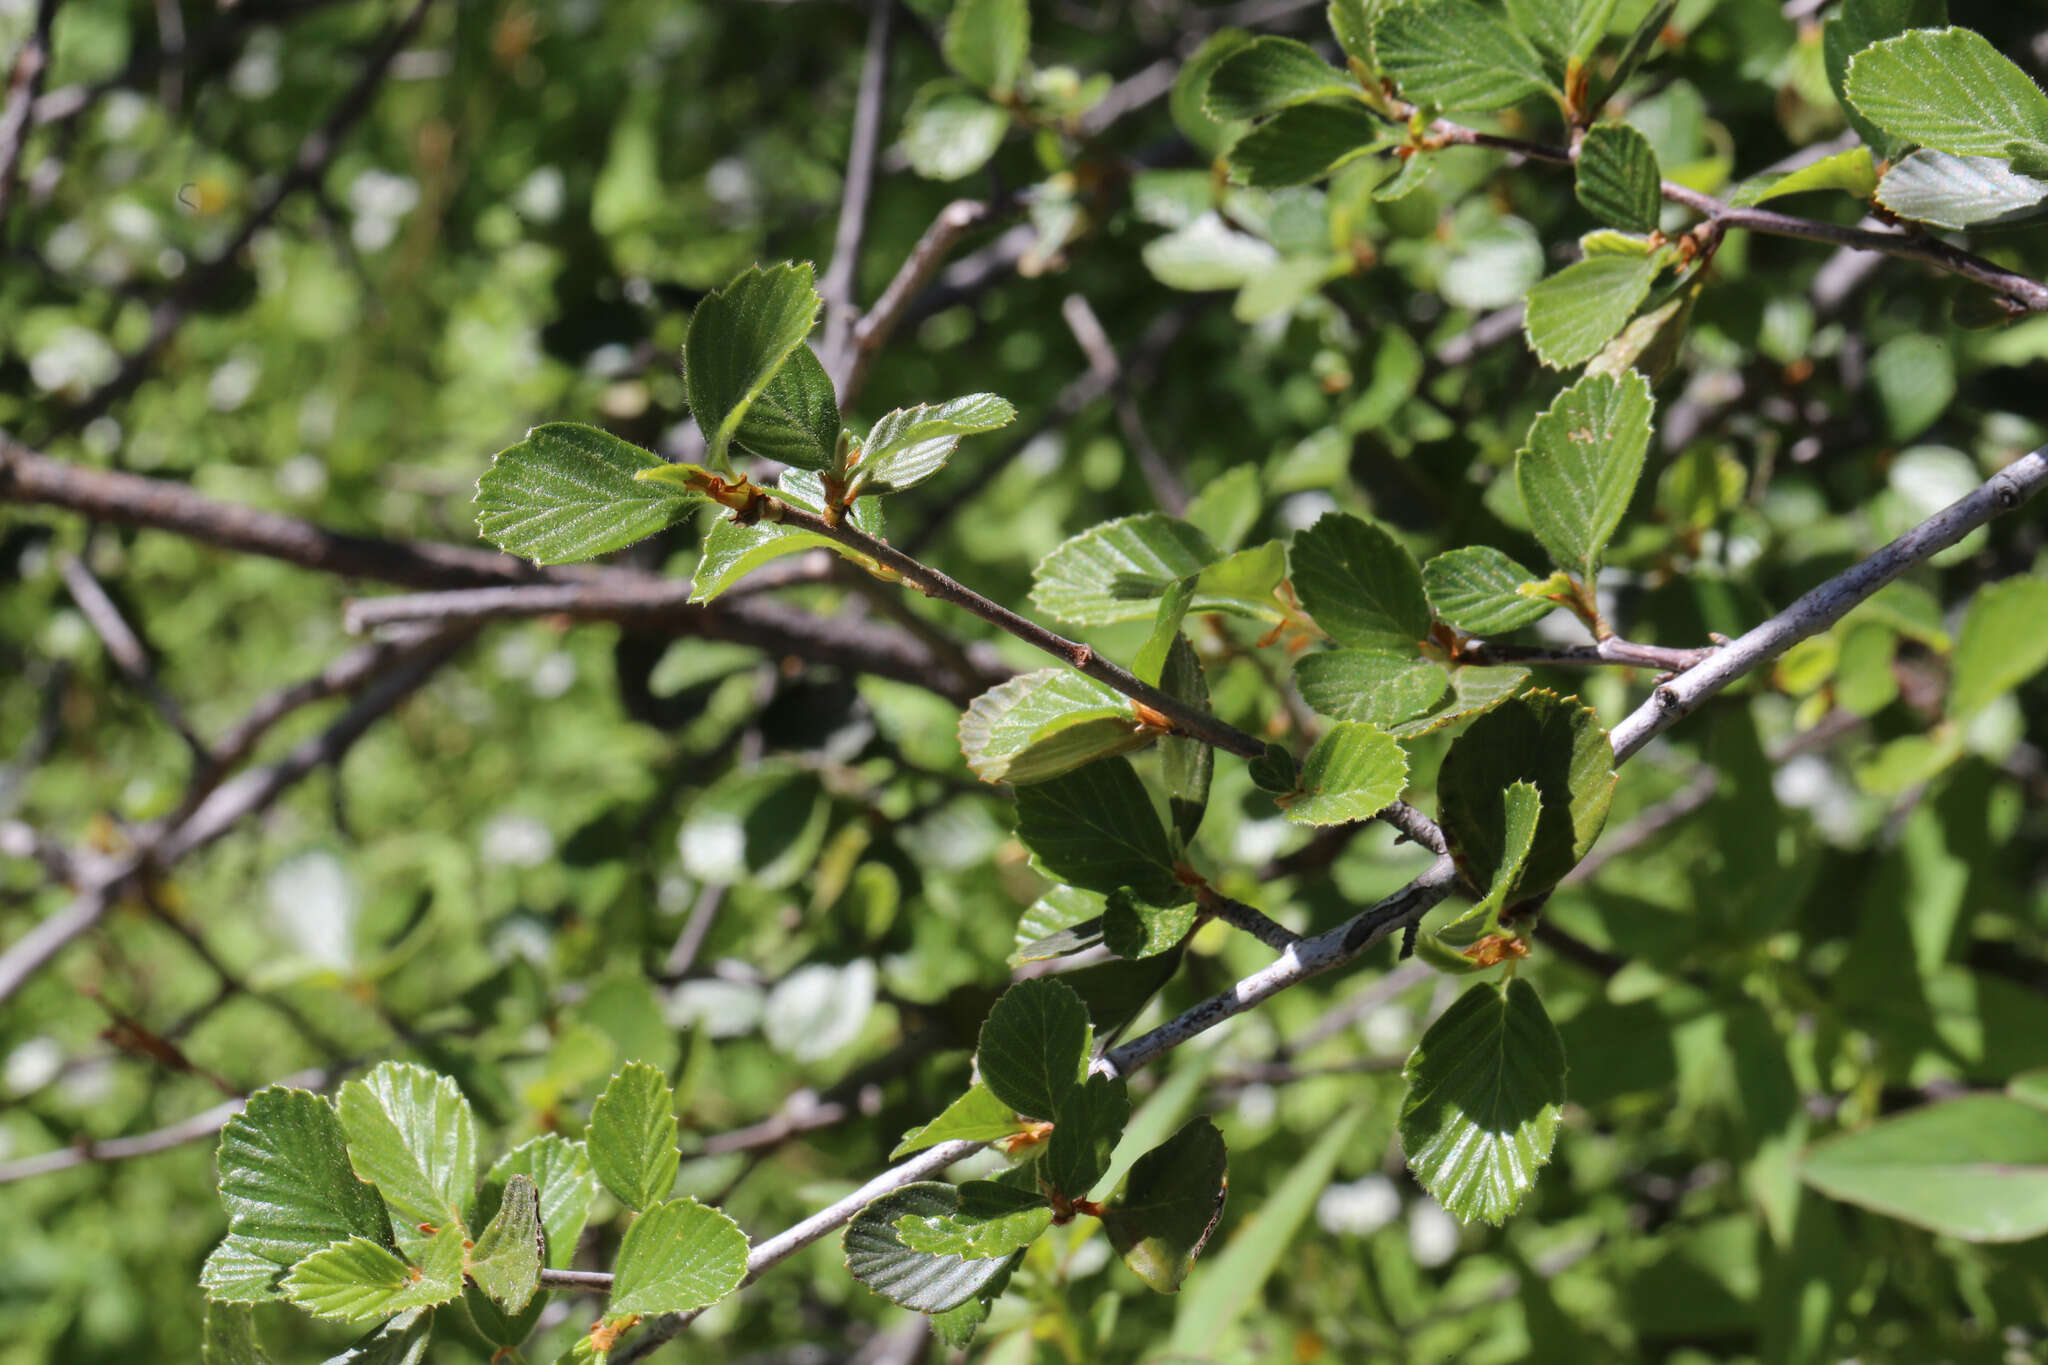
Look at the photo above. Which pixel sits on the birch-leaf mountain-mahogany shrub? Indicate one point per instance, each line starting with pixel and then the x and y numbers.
pixel 371 1210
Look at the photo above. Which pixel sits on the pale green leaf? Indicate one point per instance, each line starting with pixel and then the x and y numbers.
pixel 1914 376
pixel 1541 738
pixel 568 492
pixel 1246 583
pixel 1475 589
pixel 678 1256
pixel 1227 507
pixel 1573 313
pixel 1454 55
pixel 909 445
pixel 411 1134
pixel 950 131
pixel 989 41
pixel 1856 24
pixel 1617 178
pixel 1353 771
pixel 1951 90
pixel 632 1137
pixel 1359 584
pixel 1064 920
pixel 1170 1206
pixel 1033 1047
pixel 1305 142
pixel 1851 172
pixel 505 1262
pixel 738 339
pixel 287 1184
pixel 1351 23
pixel 2003 642
pixel 1975 1168
pixel 1207 254
pixel 1150 664
pixel 877 1257
pixel 1485 1090
pixel 977 1116
pixel 1115 571
pixel 236 1273
pixel 1269 74
pixel 1958 191
pixel 1041 724
pixel 1580 466
pixel 360 1281
pixel 1376 687
pixel 992 1220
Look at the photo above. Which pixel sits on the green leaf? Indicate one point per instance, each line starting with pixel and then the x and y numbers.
pixel 1541 738
pixel 505 1262
pixel 410 1133
pixel 1269 74
pixel 1207 254
pixel 1150 663
pixel 401 1341
pixel 286 1182
pixel 739 338
pixel 1617 178
pixel 1951 90
pixel 1573 313
pixel 1547 24
pixel 762 824
pixel 1580 466
pixel 1227 507
pixel 2030 1087
pixel 677 1257
pixel 632 1137
pixel 977 1116
pixel 1359 583
pixel 1485 1089
pixel 1245 584
pixel 1033 1047
pixel 1855 25
pixel 1305 142
pixel 1521 806
pixel 909 445
pixel 1648 32
pixel 1370 686
pixel 359 1281
pixel 795 421
pixel 1475 589
pixel 236 1273
pixel 1131 929
pixel 1589 25
pixel 1958 191
pixel 1275 770
pixel 992 1220
pixel 229 1336
pixel 733 549
pixel 1091 1119
pixel 1113 572
pixel 1915 379
pixel 1041 724
pixel 1974 1168
pixel 1064 920
pixel 2002 643
pixel 1351 23
pixel 929 1283
pixel 956 1326
pixel 1188 100
pixel 989 41
pixel 1187 764
pixel 1353 771
pixel 1454 56
pixel 1095 827
pixel 1474 691
pixel 1116 992
pixel 568 492
pixel 1170 1206
pixel 949 131
pixel 1851 172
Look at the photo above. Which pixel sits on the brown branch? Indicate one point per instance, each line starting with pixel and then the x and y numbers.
pixel 124 647
pixel 849 368
pixel 23 82
pixel 843 271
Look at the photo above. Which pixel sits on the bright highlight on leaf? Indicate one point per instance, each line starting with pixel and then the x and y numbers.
pixel 568 492
pixel 360 1281
pixel 992 1220
pixel 410 1133
pixel 1044 723
pixel 909 445
pixel 1951 90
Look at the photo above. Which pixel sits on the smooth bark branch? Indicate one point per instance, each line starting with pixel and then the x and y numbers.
pixel 1613 650
pixel 849 366
pixel 125 647
pixel 843 271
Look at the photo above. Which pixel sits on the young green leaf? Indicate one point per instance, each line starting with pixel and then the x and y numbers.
pixel 1452 55
pixel 1227 507
pixel 1170 1206
pixel 1115 571
pixel 562 1178
pixel 1351 25
pixel 2001 645
pixel 977 1116
pixel 739 338
pixel 1853 26
pixel 1975 1168
pixel 1091 1119
pixel 1485 1090
pixel 1306 142
pixel 1617 179
pixel 992 1220
pixel 288 1188
pixel 795 421
pixel 734 549
pixel 1187 764
pixel 909 445
pixel 1188 100
pixel 235 1273
pixel 359 1281
pixel 1150 662
pixel 1245 584
pixel 568 492
pixel 676 1257
pixel 1521 807
pixel 1649 31
pixel 1131 929
pixel 1269 74
pixel 920 1280
pixel 1359 583
pixel 1573 313
pixel 228 1336
pixel 1475 589
pixel 1851 172
pixel 410 1133
pixel 1370 686
pixel 1580 466
pixel 950 131
pixel 1064 920
pixel 1041 724
pixel 505 1262
pixel 632 1137
pixel 1951 90
pixel 1541 738
pixel 989 41
pixel 1206 254
pixel 1095 827
pixel 1474 691
pixel 1033 1047
pixel 1958 191
pixel 1353 771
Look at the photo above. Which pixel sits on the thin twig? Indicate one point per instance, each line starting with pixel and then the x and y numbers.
pixel 23 82
pixel 842 273
pixel 1613 650
pixel 1160 476
pixel 125 648
pixel 873 330
pixel 1249 918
